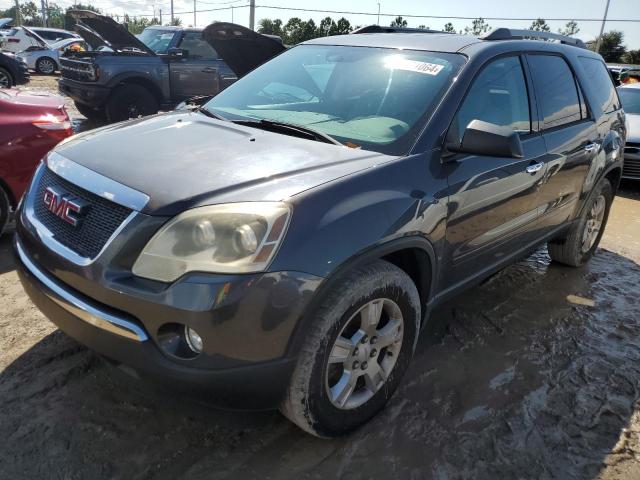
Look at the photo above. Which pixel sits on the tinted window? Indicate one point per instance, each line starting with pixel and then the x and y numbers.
pixel 197 46
pixel 603 91
pixel 499 96
pixel 630 98
pixel 557 91
pixel 157 40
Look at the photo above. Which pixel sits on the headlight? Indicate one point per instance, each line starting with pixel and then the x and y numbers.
pixel 231 238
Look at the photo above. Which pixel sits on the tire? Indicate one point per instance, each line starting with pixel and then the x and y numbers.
pixel 6 79
pixel 313 399
pixel 577 245
pixel 4 210
pixel 91 113
pixel 131 101
pixel 46 66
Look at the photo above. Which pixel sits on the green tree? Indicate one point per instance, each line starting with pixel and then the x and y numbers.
pixel 478 27
pixel 327 25
pixel 540 25
pixel 612 47
pixel 448 27
pixel 399 22
pixel 136 25
pixel 294 31
pixel 176 22
pixel 271 27
pixel 632 57
pixel 343 26
pixel 570 29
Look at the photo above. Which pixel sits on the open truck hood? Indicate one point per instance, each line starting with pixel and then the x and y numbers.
pixel 242 49
pixel 105 31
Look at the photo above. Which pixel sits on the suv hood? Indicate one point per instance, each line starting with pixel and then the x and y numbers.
pixel 106 30
pixel 41 41
pixel 5 22
pixel 242 49
pixel 186 159
pixel 94 40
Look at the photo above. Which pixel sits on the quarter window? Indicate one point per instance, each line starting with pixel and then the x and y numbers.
pixel 556 89
pixel 499 96
pixel 604 93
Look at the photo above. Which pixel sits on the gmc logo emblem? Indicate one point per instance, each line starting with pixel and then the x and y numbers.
pixel 64 206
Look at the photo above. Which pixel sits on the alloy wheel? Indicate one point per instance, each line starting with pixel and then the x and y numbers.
pixel 593 225
pixel 5 81
pixel 47 66
pixel 364 353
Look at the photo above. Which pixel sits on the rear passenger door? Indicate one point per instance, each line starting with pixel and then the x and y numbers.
pixel 570 134
pixel 196 73
pixel 493 201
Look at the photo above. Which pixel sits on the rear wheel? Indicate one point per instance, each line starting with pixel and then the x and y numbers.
pixel 131 101
pixel 46 66
pixel 6 80
pixel 91 113
pixel 577 246
pixel 362 340
pixel 4 210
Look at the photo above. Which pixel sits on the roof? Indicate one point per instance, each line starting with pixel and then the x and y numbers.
pixel 174 28
pixel 47 29
pixel 438 42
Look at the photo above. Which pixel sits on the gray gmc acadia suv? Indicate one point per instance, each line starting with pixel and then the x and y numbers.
pixel 282 245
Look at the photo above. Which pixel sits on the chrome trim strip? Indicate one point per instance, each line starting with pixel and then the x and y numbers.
pixel 80 309
pixel 96 183
pixel 76 173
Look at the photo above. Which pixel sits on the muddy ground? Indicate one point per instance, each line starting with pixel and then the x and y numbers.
pixel 516 379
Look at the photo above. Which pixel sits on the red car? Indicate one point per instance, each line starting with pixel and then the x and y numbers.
pixel 31 124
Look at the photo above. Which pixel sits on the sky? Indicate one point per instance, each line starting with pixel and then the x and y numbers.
pixel 521 9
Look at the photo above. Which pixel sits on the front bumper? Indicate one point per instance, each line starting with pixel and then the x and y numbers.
pixel 244 364
pixel 86 93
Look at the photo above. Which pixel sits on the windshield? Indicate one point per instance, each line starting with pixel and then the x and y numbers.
pixel 630 98
pixel 373 98
pixel 156 39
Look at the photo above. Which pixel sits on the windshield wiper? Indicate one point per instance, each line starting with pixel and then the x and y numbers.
pixel 289 128
pixel 210 114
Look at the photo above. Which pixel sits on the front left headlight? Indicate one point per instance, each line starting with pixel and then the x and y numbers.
pixel 228 238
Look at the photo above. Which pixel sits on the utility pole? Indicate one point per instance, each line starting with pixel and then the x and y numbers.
pixel 252 13
pixel 378 14
pixel 194 13
pixel 44 14
pixel 17 14
pixel 231 13
pixel 604 20
pixel 171 12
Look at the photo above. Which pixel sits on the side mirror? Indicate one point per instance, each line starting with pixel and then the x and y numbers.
pixel 177 52
pixel 484 138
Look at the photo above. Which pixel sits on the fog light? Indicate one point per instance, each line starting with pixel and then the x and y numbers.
pixel 193 339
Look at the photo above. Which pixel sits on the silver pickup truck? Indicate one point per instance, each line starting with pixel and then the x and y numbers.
pixel 126 76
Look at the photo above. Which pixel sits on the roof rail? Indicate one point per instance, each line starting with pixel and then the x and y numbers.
pixel 379 29
pixel 512 34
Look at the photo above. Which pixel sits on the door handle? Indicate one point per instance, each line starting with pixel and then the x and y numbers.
pixel 592 147
pixel 536 167
pixel 209 70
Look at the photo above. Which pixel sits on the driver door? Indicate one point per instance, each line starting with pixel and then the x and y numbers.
pixel 197 71
pixel 494 201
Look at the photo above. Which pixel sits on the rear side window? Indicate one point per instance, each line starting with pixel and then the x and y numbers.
pixel 603 91
pixel 556 89
pixel 499 96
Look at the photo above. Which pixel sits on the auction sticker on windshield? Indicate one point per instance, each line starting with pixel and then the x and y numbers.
pixel 399 63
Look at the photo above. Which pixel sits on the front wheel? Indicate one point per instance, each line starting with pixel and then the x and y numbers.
pixel 361 341
pixel 577 245
pixel 93 114
pixel 131 101
pixel 46 66
pixel 6 80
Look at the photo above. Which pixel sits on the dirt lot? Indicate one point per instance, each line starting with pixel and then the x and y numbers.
pixel 516 379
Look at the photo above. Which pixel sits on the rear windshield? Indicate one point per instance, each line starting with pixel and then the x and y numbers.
pixel 630 98
pixel 373 98
pixel 156 39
